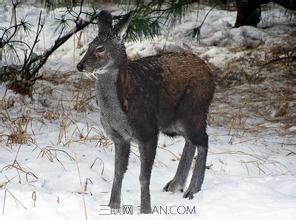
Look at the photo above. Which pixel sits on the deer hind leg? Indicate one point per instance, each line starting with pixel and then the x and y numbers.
pixel 177 183
pixel 197 135
pixel 122 151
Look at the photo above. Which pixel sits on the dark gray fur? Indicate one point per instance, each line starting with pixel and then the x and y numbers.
pixel 130 96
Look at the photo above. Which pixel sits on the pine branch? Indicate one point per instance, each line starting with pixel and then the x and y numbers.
pixel 32 62
pixel 196 31
pixel 41 59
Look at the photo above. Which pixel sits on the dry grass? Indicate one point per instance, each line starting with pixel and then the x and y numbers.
pixel 254 97
pixel 52 154
pixel 16 166
pixel 19 136
pixel 7 104
pixel 18 129
pixel 82 105
pixel 50 115
pixel 16 200
pixel 89 133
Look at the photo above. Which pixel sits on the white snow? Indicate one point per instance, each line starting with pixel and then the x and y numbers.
pixel 66 169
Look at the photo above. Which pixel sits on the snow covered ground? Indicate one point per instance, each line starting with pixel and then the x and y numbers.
pixel 64 169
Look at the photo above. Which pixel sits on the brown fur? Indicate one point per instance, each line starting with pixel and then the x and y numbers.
pixel 181 86
pixel 125 83
pixel 185 73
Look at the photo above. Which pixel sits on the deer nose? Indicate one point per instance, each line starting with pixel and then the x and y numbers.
pixel 80 67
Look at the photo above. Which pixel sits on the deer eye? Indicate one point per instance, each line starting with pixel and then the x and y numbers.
pixel 100 49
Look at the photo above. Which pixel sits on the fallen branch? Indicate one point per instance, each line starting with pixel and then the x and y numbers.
pixel 280 59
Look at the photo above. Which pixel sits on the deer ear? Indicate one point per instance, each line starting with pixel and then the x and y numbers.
pixel 121 27
pixel 104 23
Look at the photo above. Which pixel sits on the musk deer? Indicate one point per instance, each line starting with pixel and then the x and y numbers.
pixel 168 93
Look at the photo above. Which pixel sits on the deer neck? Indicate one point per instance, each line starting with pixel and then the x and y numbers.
pixel 113 117
pixel 106 84
pixel 108 79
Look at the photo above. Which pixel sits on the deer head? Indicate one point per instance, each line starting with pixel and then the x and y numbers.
pixel 107 49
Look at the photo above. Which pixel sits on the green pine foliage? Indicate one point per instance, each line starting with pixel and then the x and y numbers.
pixel 149 18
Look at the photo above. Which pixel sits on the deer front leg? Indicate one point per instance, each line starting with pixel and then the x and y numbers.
pixel 147 155
pixel 122 150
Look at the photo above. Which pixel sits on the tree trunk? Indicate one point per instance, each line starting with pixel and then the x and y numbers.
pixel 249 11
pixel 1 51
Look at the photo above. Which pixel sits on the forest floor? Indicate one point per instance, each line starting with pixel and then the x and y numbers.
pixel 56 162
